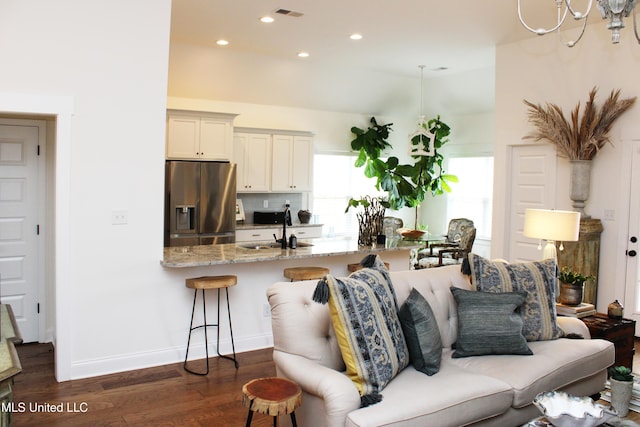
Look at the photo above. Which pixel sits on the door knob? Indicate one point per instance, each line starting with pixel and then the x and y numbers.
pixel 633 239
pixel 632 253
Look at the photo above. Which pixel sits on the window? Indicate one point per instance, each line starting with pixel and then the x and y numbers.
pixel 335 181
pixel 472 197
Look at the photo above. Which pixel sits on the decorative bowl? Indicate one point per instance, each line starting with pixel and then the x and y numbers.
pixel 412 234
pixel 565 410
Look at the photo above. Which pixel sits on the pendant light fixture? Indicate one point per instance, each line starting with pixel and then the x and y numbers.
pixel 613 10
pixel 421 140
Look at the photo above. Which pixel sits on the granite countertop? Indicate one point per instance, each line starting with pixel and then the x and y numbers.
pixel 232 253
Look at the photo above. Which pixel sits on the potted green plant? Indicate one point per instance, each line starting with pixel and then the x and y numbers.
pixel 405 184
pixel 370 218
pixel 572 286
pixel 621 382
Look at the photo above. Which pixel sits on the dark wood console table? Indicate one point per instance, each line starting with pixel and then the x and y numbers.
pixel 619 331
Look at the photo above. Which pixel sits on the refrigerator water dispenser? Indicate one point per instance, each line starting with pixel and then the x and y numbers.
pixel 185 218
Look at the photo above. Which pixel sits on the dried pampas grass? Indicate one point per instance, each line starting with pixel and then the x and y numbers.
pixel 581 137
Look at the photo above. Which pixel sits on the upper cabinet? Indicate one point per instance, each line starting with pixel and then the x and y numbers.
pixel 252 153
pixel 199 135
pixel 292 163
pixel 272 160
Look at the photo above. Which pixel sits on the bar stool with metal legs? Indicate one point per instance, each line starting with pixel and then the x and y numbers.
pixel 204 283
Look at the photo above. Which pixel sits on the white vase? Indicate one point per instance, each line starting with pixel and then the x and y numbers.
pixel 621 396
pixel 580 184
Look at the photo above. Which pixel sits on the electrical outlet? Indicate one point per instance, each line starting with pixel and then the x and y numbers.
pixel 610 214
pixel 266 310
pixel 119 217
pixel 287 202
pixel 265 204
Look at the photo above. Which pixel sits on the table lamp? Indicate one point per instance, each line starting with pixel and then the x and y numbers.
pixel 552 226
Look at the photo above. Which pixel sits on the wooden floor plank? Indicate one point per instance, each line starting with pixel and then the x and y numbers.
pixel 159 396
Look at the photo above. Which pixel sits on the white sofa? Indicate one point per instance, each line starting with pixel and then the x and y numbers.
pixel 493 390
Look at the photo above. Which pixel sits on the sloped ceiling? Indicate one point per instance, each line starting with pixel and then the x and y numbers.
pixel 378 72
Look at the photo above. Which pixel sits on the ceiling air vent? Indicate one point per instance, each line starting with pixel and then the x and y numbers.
pixel 289 13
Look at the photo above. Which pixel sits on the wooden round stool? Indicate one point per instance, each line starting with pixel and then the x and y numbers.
pixel 204 283
pixel 305 273
pixel 271 396
pixel 357 266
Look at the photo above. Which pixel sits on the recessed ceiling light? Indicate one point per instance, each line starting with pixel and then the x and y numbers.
pixel 266 19
pixel 355 36
pixel 222 42
pixel 303 54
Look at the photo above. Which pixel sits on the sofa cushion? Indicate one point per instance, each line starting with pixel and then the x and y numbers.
pixel 537 279
pixel 364 315
pixel 452 397
pixel 421 333
pixel 553 365
pixel 489 323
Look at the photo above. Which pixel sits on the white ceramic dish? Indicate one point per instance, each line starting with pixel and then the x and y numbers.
pixel 565 410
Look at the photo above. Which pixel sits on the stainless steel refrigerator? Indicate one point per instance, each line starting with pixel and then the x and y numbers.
pixel 200 203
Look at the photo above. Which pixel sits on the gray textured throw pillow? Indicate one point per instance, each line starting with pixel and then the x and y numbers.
pixel 489 323
pixel 421 333
pixel 537 279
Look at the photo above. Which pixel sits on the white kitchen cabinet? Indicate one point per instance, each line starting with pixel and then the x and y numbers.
pixel 252 153
pixel 292 163
pixel 308 232
pixel 266 234
pixel 257 234
pixel 199 135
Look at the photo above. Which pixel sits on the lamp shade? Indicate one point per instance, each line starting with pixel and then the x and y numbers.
pixel 547 224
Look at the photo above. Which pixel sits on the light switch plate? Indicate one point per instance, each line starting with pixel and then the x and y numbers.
pixel 119 217
pixel 609 214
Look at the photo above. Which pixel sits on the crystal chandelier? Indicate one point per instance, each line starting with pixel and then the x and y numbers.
pixel 613 10
pixel 421 140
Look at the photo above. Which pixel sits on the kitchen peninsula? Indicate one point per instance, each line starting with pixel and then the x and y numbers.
pixel 233 253
pixel 257 270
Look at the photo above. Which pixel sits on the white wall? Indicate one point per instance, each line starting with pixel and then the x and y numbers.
pixel 541 70
pixel 113 293
pixel 116 307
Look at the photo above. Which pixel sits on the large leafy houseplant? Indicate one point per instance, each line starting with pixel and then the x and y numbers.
pixel 405 184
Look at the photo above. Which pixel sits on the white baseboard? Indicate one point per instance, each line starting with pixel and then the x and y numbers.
pixel 129 362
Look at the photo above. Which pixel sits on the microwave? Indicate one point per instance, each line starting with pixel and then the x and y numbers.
pixel 268 217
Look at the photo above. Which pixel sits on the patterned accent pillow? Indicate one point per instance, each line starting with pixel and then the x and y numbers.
pixel 421 333
pixel 489 323
pixel 364 314
pixel 537 279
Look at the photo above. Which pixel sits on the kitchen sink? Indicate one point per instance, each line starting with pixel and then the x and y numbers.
pixel 263 246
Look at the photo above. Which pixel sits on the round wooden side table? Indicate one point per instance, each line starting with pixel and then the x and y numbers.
pixel 271 396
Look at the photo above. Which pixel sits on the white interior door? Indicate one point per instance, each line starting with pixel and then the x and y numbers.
pixel 632 282
pixel 20 193
pixel 533 178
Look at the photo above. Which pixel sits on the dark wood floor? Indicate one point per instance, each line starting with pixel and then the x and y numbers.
pixel 162 396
